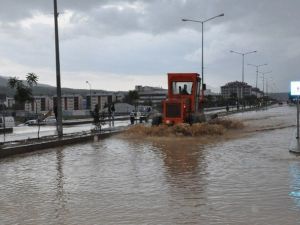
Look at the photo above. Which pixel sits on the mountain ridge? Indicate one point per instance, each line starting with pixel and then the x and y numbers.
pixel 45 89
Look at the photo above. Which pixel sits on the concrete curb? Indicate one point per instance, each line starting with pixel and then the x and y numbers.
pixel 7 151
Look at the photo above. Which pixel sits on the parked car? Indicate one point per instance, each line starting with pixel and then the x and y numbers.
pixel 140 116
pixel 31 122
pixel 50 120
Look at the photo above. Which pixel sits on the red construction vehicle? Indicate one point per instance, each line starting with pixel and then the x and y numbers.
pixel 183 101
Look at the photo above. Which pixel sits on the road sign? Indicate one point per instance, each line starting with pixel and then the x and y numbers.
pixel 295 88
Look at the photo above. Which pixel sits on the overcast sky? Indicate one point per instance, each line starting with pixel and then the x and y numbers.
pixel 117 44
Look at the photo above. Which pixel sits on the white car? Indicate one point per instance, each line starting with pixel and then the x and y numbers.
pixel 50 120
pixel 31 122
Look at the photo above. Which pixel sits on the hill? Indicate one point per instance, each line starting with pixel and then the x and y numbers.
pixel 44 89
pixel 283 96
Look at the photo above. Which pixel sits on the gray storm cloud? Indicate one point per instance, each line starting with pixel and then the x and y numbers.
pixel 147 38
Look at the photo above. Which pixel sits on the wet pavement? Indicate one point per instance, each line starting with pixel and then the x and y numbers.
pixel 26 132
pixel 251 179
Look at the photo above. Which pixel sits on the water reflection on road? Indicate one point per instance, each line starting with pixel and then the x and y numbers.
pixel 250 180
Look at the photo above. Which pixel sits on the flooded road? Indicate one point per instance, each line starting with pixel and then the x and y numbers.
pixel 247 180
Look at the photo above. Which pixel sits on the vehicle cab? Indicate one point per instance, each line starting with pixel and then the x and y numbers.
pixel 183 97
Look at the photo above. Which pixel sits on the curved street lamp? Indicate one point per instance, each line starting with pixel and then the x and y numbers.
pixel 243 62
pixel 243 67
pixel 263 77
pixel 257 66
pixel 202 23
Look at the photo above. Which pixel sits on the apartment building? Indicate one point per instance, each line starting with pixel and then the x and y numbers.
pixel 236 89
pixel 39 104
pixel 98 99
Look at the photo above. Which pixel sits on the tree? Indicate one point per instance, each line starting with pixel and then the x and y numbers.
pixel 208 101
pixel 31 79
pixel 251 100
pixel 23 89
pixel 131 97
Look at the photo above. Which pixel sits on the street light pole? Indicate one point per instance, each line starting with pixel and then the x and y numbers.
pixel 202 51
pixel 243 65
pixel 243 60
pixel 263 77
pixel 58 83
pixel 257 66
pixel 90 94
pixel 267 85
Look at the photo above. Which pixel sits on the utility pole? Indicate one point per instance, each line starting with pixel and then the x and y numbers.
pixel 266 86
pixel 297 137
pixel 265 95
pixel 257 66
pixel 58 83
pixel 263 80
pixel 243 71
pixel 202 66
pixel 90 86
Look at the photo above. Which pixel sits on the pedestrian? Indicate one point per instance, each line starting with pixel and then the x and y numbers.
pixel 96 115
pixel 227 108
pixel 109 114
pixel 112 109
pixel 139 116
pixel 55 112
pixel 132 117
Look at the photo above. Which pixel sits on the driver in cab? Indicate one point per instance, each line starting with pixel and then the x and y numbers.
pixel 184 90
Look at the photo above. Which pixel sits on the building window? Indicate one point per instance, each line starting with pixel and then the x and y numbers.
pixel 32 105
pixel 76 103
pixel 182 88
pixel 66 103
pixel 88 102
pixel 99 101
pixel 43 104
pixel 109 99
pixel 54 101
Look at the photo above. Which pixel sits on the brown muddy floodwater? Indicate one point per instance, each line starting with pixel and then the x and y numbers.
pixel 247 180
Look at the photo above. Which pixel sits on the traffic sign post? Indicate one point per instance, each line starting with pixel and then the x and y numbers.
pixel 297 137
pixel 295 91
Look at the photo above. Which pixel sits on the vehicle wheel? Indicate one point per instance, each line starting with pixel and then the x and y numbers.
pixel 156 120
pixel 214 116
pixel 197 118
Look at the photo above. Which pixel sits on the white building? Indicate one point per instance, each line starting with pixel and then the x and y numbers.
pixel 98 99
pixel 39 104
pixel 153 94
pixel 9 102
pixel 236 89
pixel 257 92
pixel 209 92
pixel 72 104
pixel 69 102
